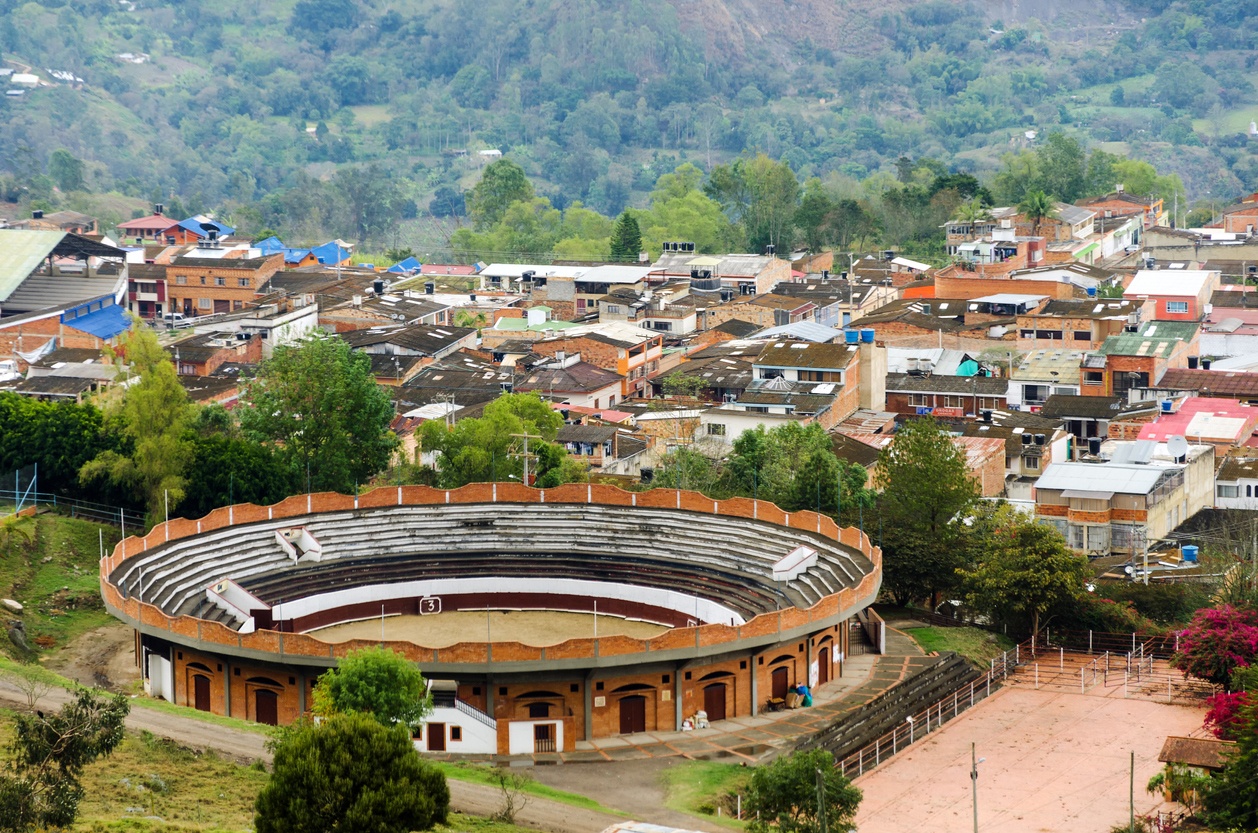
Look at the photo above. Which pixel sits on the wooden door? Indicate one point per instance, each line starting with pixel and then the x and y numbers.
pixel 436 737
pixel 632 714
pixel 544 737
pixel 714 701
pixel 823 664
pixel 781 677
pixel 266 707
pixel 201 692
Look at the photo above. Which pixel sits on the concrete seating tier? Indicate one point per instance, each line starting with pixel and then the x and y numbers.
pixel 726 559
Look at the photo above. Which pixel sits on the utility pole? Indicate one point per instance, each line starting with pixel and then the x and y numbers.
pixel 525 455
pixel 974 782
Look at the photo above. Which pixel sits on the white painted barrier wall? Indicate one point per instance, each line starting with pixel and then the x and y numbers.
pixel 707 612
pixel 520 735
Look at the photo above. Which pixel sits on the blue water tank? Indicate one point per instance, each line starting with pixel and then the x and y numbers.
pixel 1189 552
pixel 1167 404
pixel 1091 291
pixel 867 336
pixel 850 336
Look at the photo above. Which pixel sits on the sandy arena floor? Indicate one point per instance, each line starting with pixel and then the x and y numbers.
pixel 537 628
pixel 1055 762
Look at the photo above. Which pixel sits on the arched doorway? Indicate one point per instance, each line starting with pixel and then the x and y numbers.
pixel 825 651
pixel 714 701
pixel 266 707
pixel 632 714
pixel 781 681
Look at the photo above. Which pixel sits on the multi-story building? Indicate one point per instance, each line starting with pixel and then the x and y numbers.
pixel 1236 484
pixel 1076 324
pixel 1137 359
pixel 1041 374
pixel 1125 496
pixel 1174 294
pixel 635 354
pixel 201 286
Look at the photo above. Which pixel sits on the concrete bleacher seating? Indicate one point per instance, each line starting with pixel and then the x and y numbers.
pixel 726 559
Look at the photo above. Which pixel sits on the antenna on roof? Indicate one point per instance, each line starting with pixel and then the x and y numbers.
pixel 1178 448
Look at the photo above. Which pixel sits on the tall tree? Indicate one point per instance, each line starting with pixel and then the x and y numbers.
pixel 803 792
pixel 1021 568
pixel 1062 167
pixel 503 183
pixel 626 242
pixel 39 786
pixel 814 216
pixel 349 773
pixel 375 681
pixel 152 414
pixel 318 402
pixel 926 488
pixel 759 194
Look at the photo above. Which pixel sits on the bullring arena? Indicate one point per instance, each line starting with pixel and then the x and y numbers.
pixel 542 617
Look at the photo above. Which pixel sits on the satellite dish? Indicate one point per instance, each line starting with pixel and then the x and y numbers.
pixel 1177 446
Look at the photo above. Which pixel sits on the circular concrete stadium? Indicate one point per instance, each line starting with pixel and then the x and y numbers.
pixel 542 617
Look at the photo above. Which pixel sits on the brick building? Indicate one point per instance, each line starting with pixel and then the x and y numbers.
pixel 202 286
pixel 1137 360
pixel 1076 324
pixel 1173 294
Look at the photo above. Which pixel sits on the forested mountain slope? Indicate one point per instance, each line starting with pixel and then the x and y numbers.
pixel 252 107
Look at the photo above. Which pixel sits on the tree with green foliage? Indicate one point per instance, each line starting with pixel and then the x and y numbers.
pixel 482 449
pixel 226 468
pixel 152 415
pixel 66 170
pixel 1036 206
pixel 1062 167
pixel 502 184
pixel 814 217
pixel 350 773
pixel 39 784
pixel 376 681
pixel 626 239
pixel 1020 568
pixel 926 489
pixel 317 402
pixel 803 792
pixel 759 194
pixel 58 437
pixel 1217 642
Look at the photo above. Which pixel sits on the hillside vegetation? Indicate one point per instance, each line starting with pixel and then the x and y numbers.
pixel 289 115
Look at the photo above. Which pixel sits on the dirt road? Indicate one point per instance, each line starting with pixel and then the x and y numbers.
pixel 246 747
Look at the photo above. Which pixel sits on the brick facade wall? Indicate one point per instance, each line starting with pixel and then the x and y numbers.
pixel 200 284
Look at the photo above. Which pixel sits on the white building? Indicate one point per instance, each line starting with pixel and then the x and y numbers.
pixel 1236 484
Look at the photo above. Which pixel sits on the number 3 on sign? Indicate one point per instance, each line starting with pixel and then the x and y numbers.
pixel 429 604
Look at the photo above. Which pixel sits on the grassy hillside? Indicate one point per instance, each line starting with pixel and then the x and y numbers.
pixel 241 106
pixel 54 576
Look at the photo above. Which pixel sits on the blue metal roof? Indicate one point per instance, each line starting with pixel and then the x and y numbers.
pixel 331 253
pixel 270 246
pixel 202 227
pixel 405 266
pixel 295 255
pixel 104 323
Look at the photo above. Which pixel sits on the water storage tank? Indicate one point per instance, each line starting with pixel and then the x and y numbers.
pixel 1167 404
pixel 1189 551
pixel 1091 291
pixel 867 336
pixel 850 336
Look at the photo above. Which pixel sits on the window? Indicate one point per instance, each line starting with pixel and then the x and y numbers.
pixel 205 303
pixel 1035 394
pixel 456 733
pixel 1026 333
pixel 716 429
pixel 919 400
pixel 537 710
pixel 954 401
pixel 1052 335
pixel 1177 306
pixel 181 279
pixel 613 309
pixel 203 280
pixel 1222 490
pixel 1031 463
pixel 243 283
pixel 1093 377
pixel 220 281
pixel 1083 335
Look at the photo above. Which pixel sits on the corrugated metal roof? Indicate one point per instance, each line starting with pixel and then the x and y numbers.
pixel 1126 479
pixel 104 323
pixel 20 254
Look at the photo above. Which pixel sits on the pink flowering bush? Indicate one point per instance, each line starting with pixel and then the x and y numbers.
pixel 1223 715
pixel 1217 642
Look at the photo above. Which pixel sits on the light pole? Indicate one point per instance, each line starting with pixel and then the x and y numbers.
pixel 974 781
